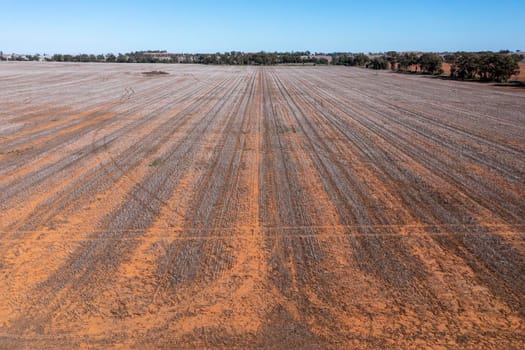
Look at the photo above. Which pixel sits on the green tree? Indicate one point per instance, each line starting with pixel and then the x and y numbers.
pixel 487 66
pixel 361 60
pixel 502 67
pixel 392 58
pixel 122 58
pixel 378 63
pixel 430 63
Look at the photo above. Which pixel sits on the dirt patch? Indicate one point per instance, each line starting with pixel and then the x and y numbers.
pixel 155 73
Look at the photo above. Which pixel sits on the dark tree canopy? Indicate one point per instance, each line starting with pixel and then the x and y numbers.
pixel 430 63
pixel 486 66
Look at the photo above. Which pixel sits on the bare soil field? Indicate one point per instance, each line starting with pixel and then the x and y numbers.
pixel 258 207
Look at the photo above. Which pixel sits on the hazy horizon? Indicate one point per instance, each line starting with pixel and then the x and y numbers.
pixel 207 27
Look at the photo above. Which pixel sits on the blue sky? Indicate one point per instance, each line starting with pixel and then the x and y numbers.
pixel 95 26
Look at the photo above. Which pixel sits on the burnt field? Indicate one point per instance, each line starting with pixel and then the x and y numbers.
pixel 258 207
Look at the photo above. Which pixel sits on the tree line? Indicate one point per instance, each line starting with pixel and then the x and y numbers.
pixel 260 58
pixel 404 62
pixel 485 66
pixel 227 58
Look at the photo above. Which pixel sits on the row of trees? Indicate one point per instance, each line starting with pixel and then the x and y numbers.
pixel 486 66
pixel 359 59
pixel 259 58
pixel 430 63
pixel 227 58
pixel 427 62
pixel 20 57
pixel 133 57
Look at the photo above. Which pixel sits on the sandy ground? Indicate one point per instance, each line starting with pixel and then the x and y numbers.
pixel 258 207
